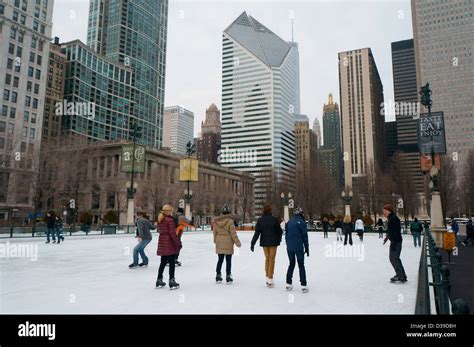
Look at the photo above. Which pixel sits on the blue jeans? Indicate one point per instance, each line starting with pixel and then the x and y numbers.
pixel 140 249
pixel 417 236
pixel 52 232
pixel 296 256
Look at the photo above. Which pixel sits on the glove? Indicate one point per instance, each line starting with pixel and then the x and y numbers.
pixel 252 248
pixel 307 252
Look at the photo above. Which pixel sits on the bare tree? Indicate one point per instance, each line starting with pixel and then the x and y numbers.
pixel 447 186
pixel 466 189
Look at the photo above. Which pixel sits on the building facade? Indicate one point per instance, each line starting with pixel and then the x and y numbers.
pixel 259 87
pixel 178 129
pixel 331 153
pixel 317 131
pixel 391 139
pixel 25 31
pixel 443 38
pixel 209 144
pixel 361 93
pixel 306 149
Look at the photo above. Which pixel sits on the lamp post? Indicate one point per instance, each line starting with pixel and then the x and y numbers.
pixel 287 203
pixel 131 186
pixel 347 198
pixel 188 193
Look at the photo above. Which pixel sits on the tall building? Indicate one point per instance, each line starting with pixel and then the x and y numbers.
pixel 391 139
pixel 407 108
pixel 178 129
pixel 209 144
pixel 317 131
pixel 306 148
pixel 443 37
pixel 331 153
pixel 361 93
pixel 259 87
pixel 54 94
pixel 131 36
pixel 25 31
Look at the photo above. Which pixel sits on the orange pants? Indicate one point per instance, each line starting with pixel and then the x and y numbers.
pixel 270 254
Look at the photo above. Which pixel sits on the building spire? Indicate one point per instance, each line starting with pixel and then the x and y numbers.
pixel 330 100
pixel 292 40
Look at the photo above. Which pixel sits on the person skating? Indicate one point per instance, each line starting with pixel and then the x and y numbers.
pixel 394 234
pixel 50 227
pixel 225 237
pixel 347 229
pixel 58 225
pixel 269 231
pixel 338 225
pixel 297 245
pixel 325 227
pixel 144 227
pixel 359 228
pixel 168 246
pixel 455 227
pixel 380 227
pixel 416 228
pixel 181 222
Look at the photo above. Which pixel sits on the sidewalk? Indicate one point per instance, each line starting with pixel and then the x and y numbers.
pixel 462 275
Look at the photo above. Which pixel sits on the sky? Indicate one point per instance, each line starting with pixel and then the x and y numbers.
pixel 321 28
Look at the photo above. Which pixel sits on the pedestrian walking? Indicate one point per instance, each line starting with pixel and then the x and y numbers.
pixel 168 247
pixel 50 227
pixel 347 228
pixel 58 225
pixel 416 228
pixel 380 227
pixel 339 226
pixel 394 234
pixel 269 231
pixel 359 228
pixel 297 246
pixel 144 227
pixel 225 237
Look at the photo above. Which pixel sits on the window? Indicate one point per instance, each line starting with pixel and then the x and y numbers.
pixel 32 57
pixel 35 104
pixel 29 86
pixel 30 148
pixel 39 59
pixel 17 3
pixel 2 143
pixel 40 46
pixel 33 42
pixel 27 101
pixel 38 74
pixel 22 19
pixel 23 147
pixel 33 118
pixel 15 16
pixel 30 71
pixel 26 116
pixel 2 9
pixel 10 64
pixel 42 29
pixel 16 81
pixel 4 111
pixel 14 97
pixel 24 5
pixel 32 133
pixel 12 112
pixel 11 128
pixel 17 64
pixel 2 126
pixel 19 52
pixel 35 26
pixel 13 34
pixel 37 12
pixel 8 79
pixel 20 37
pixel 11 48
pixel 6 94
pixel 36 89
pixel 25 132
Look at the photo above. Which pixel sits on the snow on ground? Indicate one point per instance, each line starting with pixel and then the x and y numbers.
pixel 90 275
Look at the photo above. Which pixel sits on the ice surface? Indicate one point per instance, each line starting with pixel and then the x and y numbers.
pixel 90 275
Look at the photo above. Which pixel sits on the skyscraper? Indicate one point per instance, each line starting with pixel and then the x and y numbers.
pixel 407 106
pixel 443 37
pixel 130 35
pixel 209 144
pixel 25 31
pixel 306 149
pixel 259 87
pixel 391 140
pixel 361 93
pixel 317 130
pixel 178 129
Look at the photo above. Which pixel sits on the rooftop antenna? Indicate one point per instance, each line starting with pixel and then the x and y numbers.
pixel 292 19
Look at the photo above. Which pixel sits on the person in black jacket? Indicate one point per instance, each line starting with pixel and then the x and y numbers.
pixel 338 226
pixel 394 234
pixel 269 231
pixel 325 227
pixel 347 228
pixel 380 227
pixel 51 226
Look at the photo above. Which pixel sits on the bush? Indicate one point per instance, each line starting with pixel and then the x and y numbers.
pixel 111 217
pixel 367 220
pixel 85 218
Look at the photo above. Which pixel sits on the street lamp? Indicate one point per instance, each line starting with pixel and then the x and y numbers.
pixel 347 198
pixel 188 193
pixel 287 204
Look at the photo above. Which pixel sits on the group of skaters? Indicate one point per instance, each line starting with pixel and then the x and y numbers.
pixel 344 228
pixel 54 227
pixel 268 229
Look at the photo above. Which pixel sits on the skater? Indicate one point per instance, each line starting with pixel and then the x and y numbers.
pixel 144 238
pixel 469 232
pixel 394 234
pixel 380 227
pixel 297 245
pixel 181 221
pixel 269 231
pixel 455 227
pixel 338 225
pixel 225 237
pixel 168 246
pixel 347 228
pixel 51 226
pixel 58 225
pixel 416 229
pixel 359 228
pixel 325 227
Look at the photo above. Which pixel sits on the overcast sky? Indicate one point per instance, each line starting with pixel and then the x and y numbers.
pixel 321 28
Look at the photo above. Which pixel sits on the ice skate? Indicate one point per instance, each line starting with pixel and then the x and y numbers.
pixel 289 287
pixel 229 279
pixel 160 283
pixel 304 289
pixel 218 278
pixel 173 284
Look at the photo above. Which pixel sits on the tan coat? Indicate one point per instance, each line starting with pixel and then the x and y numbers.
pixel 224 235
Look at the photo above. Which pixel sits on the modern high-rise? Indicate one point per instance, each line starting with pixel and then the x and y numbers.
pixel 444 49
pixel 129 35
pixel 25 32
pixel 391 139
pixel 317 131
pixel 406 111
pixel 259 91
pixel 361 94
pixel 209 144
pixel 306 149
pixel 178 129
pixel 331 153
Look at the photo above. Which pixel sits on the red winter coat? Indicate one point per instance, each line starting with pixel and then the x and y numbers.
pixel 168 243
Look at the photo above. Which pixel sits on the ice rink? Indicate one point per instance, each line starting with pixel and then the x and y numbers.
pixel 90 275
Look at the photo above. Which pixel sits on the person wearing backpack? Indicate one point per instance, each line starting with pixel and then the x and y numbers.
pixel 225 237
pixel 416 228
pixel 297 245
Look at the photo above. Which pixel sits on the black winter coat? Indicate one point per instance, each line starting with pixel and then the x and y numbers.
pixel 394 229
pixel 269 230
pixel 347 228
